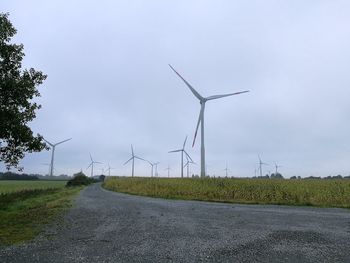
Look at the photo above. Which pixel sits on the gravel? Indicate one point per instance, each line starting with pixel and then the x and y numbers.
pixel 104 226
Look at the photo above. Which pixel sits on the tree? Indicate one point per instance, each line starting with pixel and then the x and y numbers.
pixel 17 89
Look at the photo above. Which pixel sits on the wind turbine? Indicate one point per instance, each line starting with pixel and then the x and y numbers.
pixel 202 101
pixel 53 145
pixel 133 157
pixel 187 164
pixel 260 165
pixel 109 170
pixel 277 166
pixel 182 150
pixel 92 165
pixel 168 168
pixel 152 165
pixel 226 170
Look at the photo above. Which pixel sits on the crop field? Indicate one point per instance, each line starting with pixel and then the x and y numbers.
pixel 314 192
pixel 26 206
pixel 8 186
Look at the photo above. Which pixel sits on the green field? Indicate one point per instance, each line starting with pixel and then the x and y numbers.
pixel 26 206
pixel 8 186
pixel 324 193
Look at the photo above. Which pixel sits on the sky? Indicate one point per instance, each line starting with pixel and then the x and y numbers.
pixel 109 84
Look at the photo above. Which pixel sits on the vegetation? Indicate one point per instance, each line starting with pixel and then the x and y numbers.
pixel 16 186
pixel 26 206
pixel 17 89
pixel 80 179
pixel 325 193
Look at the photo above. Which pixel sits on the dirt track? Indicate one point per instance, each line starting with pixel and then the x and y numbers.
pixel 104 226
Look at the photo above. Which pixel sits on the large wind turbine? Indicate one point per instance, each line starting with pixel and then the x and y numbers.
pixel 260 165
pixel 182 150
pixel 133 157
pixel 53 146
pixel 277 166
pixel 202 101
pixel 92 165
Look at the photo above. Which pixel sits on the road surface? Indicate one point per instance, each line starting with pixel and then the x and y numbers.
pixel 104 226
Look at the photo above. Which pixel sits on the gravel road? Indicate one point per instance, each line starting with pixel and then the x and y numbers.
pixel 104 226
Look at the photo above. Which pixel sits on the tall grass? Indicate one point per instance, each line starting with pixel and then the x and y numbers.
pixel 325 193
pixel 8 186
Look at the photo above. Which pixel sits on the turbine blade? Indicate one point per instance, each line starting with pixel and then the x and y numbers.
pixel 91 158
pixel 48 142
pixel 128 161
pixel 175 151
pixel 225 95
pixel 195 93
pixel 89 166
pixel 188 156
pixel 183 147
pixel 140 158
pixel 63 141
pixel 199 120
pixel 132 150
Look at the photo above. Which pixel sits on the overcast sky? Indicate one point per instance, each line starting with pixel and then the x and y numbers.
pixel 109 84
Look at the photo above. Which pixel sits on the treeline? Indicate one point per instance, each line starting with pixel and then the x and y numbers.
pixel 15 176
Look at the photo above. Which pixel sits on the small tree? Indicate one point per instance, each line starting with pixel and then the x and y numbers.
pixel 17 89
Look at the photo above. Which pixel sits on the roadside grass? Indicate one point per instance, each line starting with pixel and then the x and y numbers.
pixel 24 213
pixel 8 186
pixel 322 193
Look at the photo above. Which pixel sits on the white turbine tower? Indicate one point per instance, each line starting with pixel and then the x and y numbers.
pixel 260 165
pixel 168 168
pixel 133 157
pixel 109 170
pixel 226 170
pixel 152 165
pixel 182 150
pixel 202 101
pixel 187 165
pixel 53 146
pixel 277 166
pixel 92 165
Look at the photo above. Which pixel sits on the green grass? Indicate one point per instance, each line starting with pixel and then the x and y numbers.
pixel 24 213
pixel 8 186
pixel 324 193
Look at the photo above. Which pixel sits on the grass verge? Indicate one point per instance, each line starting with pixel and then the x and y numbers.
pixel 322 193
pixel 23 214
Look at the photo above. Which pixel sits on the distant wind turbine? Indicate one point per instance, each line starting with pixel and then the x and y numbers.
pixel 202 101
pixel 260 165
pixel 53 147
pixel 92 165
pixel 152 165
pixel 109 170
pixel 277 166
pixel 182 150
pixel 226 170
pixel 168 168
pixel 133 157
pixel 187 165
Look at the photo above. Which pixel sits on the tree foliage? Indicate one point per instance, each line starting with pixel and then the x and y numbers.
pixel 17 89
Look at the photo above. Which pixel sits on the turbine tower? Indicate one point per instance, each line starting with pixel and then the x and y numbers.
pixel 260 165
pixel 152 165
pixel 53 146
pixel 182 150
pixel 92 165
pixel 109 169
pixel 202 101
pixel 133 157
pixel 168 168
pixel 226 170
pixel 277 166
pixel 187 165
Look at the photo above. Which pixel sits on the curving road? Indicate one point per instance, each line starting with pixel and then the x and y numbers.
pixel 105 226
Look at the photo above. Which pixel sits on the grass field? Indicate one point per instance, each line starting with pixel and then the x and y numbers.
pixel 8 186
pixel 26 206
pixel 324 193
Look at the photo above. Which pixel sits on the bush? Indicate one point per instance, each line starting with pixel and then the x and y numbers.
pixel 80 179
